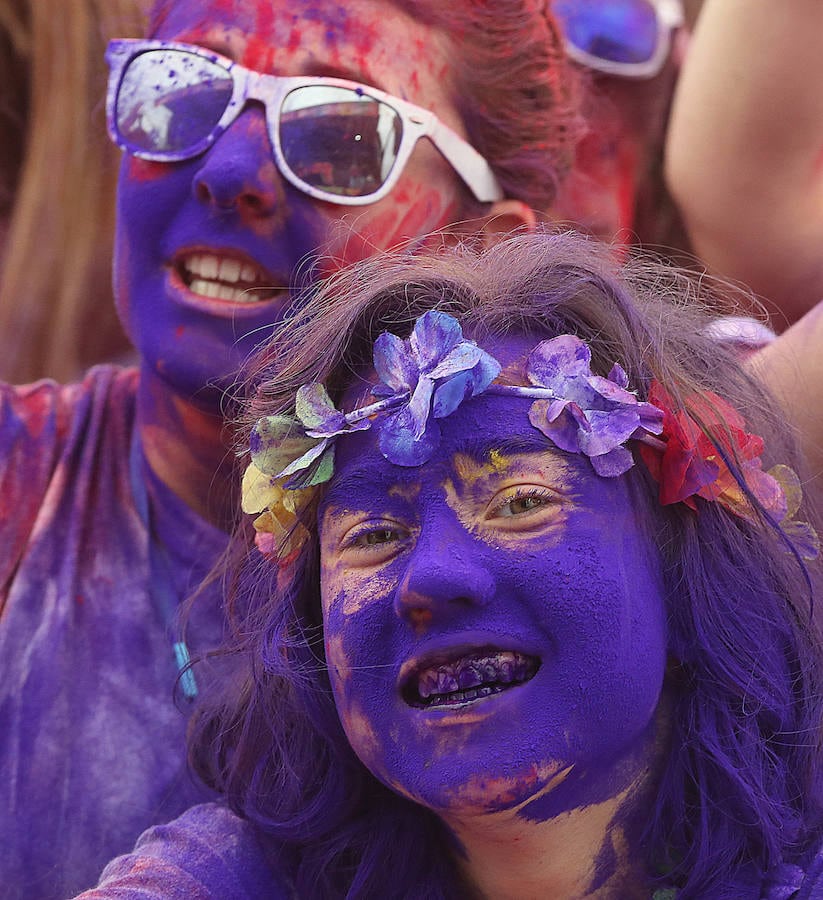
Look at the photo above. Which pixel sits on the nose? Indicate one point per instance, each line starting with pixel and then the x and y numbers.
pixel 446 578
pixel 238 173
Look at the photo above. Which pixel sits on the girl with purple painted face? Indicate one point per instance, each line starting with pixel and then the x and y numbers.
pixel 265 142
pixel 530 612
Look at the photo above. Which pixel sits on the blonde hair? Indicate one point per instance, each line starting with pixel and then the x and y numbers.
pixel 57 185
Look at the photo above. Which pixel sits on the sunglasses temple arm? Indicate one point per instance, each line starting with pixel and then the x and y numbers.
pixel 672 13
pixel 467 162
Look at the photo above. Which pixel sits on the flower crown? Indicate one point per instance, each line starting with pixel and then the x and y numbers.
pixel 426 378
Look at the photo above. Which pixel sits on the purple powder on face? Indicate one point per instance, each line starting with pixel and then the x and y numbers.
pixel 425 583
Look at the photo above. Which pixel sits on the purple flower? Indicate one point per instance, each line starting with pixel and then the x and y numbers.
pixel 428 376
pixel 437 369
pixel 587 413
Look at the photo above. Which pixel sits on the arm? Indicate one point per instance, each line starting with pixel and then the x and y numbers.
pixel 792 367
pixel 744 156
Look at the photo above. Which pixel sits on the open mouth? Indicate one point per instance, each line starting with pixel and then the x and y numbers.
pixel 225 278
pixel 469 677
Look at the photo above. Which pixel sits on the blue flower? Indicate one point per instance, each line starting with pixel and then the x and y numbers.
pixel 437 369
pixel 587 413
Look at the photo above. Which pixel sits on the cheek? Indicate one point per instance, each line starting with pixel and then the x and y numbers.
pixel 347 589
pixel 337 662
pixel 136 171
pixel 351 702
pixel 412 211
pixel 148 196
pixel 122 295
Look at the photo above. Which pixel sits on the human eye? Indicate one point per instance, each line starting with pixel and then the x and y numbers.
pixel 374 542
pixel 375 537
pixel 524 505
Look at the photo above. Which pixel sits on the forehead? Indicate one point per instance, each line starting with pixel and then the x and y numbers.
pixel 365 40
pixel 488 437
pixel 479 429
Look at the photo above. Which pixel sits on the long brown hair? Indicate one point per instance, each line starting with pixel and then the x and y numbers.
pixel 57 184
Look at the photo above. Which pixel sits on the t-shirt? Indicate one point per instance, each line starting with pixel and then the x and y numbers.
pixel 92 743
pixel 211 854
pixel 207 854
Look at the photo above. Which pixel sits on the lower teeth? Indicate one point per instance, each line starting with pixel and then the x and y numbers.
pixel 218 291
pixel 463 696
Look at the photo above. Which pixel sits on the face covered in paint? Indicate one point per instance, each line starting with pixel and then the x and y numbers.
pixel 227 219
pixel 494 619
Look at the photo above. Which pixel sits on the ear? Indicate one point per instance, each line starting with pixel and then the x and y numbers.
pixel 503 218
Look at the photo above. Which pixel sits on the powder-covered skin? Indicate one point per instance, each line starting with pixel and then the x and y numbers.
pixel 231 202
pixel 498 543
pixel 92 747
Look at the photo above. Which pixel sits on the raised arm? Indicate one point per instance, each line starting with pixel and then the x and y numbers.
pixel 744 156
pixel 792 367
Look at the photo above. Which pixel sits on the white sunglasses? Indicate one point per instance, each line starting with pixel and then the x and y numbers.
pixel 628 38
pixel 333 139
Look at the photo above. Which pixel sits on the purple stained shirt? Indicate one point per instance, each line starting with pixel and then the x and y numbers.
pixel 206 854
pixel 92 746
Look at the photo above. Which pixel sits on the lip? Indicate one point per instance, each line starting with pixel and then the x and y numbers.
pixel 225 307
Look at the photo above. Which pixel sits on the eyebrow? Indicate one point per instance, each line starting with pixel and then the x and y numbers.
pixel 482 450
pixel 342 490
pixel 329 70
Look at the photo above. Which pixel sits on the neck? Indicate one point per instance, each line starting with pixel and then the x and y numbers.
pixel 186 446
pixel 584 854
pixel 592 850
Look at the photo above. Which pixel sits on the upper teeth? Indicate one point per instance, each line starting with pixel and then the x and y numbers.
pixel 222 268
pixel 226 279
pixel 476 669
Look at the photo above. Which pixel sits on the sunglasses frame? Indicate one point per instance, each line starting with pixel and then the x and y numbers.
pixel 271 91
pixel 669 15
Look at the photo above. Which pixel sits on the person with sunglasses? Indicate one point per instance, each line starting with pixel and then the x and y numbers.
pixel 266 142
pixel 531 608
pixel 628 53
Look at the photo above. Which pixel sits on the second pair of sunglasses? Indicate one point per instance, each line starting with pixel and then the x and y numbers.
pixel 627 38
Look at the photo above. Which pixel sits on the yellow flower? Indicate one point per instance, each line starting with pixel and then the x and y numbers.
pixel 279 531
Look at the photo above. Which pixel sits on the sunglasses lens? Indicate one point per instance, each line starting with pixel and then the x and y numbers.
pixel 169 101
pixel 623 31
pixel 339 141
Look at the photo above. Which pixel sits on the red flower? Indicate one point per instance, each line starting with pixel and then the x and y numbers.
pixel 691 465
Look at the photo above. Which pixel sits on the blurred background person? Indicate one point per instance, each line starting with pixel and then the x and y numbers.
pixel 630 53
